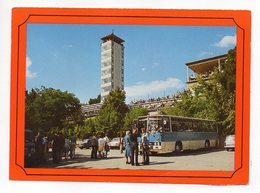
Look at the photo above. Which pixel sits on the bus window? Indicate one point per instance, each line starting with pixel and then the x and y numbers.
pixel 142 124
pixel 195 125
pixel 205 126
pixel 174 126
pixel 166 124
pixel 155 124
pixel 209 126
pixel 182 126
pixel 213 126
pixel 188 126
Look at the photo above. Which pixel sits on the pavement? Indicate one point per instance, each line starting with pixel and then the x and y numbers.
pixel 213 159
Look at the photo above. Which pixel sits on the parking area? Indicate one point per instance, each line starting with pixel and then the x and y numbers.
pixel 214 159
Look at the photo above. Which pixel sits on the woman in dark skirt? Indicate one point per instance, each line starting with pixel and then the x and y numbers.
pixel 128 147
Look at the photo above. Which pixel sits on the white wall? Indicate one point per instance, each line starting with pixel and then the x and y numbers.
pixel 117 65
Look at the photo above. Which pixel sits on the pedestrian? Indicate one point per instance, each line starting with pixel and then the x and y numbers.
pixel 39 148
pixel 128 147
pixel 106 139
pixel 66 147
pixel 135 149
pixel 61 143
pixel 94 147
pixel 101 146
pixel 55 149
pixel 145 147
pixel 45 142
pixel 121 145
pixel 72 145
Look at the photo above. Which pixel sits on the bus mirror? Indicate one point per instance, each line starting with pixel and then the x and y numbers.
pixel 164 122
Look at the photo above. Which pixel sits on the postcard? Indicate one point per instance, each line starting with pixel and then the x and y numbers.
pixel 130 95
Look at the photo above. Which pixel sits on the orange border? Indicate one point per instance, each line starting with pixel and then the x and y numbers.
pixel 240 19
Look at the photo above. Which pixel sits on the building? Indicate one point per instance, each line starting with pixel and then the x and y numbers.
pixel 112 64
pixel 91 110
pixel 202 68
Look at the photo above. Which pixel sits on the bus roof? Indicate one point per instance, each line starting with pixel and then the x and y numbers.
pixel 173 116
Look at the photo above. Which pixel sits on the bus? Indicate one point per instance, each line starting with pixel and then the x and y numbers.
pixel 167 133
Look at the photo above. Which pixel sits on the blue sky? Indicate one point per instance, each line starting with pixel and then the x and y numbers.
pixel 67 56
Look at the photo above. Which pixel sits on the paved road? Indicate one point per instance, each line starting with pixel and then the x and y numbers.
pixel 191 160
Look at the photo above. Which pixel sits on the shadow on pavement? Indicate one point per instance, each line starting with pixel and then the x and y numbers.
pixel 80 158
pixel 189 152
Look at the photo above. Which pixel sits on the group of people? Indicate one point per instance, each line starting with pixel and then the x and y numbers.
pixel 132 147
pixel 65 146
pixel 60 144
pixel 99 146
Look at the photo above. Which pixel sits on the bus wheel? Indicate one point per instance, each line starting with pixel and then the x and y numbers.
pixel 178 147
pixel 207 144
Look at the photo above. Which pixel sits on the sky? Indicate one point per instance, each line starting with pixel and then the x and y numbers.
pixel 67 56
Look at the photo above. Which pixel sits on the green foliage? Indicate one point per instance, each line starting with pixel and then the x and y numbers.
pixel 190 106
pixel 133 114
pixel 49 110
pixel 112 114
pixel 95 100
pixel 87 129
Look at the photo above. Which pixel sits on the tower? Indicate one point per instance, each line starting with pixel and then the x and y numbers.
pixel 112 64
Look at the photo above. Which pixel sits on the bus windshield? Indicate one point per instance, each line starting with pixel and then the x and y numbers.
pixel 155 124
pixel 152 124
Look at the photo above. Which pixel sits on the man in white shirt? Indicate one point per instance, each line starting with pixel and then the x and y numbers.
pixel 101 147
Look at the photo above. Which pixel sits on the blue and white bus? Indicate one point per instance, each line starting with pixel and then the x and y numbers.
pixel 172 133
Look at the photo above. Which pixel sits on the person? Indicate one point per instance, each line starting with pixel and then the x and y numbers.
pixel 45 142
pixel 145 147
pixel 121 140
pixel 94 147
pixel 72 145
pixel 101 147
pixel 61 144
pixel 55 148
pixel 66 147
pixel 39 147
pixel 106 139
pixel 128 147
pixel 134 154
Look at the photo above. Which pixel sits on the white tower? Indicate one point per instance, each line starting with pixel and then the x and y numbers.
pixel 112 64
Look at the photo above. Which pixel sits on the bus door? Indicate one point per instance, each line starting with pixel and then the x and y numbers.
pixel 142 123
pixel 155 128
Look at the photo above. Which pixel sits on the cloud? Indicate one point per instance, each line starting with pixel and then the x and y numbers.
pixel 205 54
pixel 155 64
pixel 226 41
pixel 152 66
pixel 143 89
pixel 67 46
pixel 144 69
pixel 29 74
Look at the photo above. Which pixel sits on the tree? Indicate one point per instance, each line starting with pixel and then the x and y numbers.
pixel 226 78
pixel 133 114
pixel 95 100
pixel 49 109
pixel 87 129
pixel 191 105
pixel 112 113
